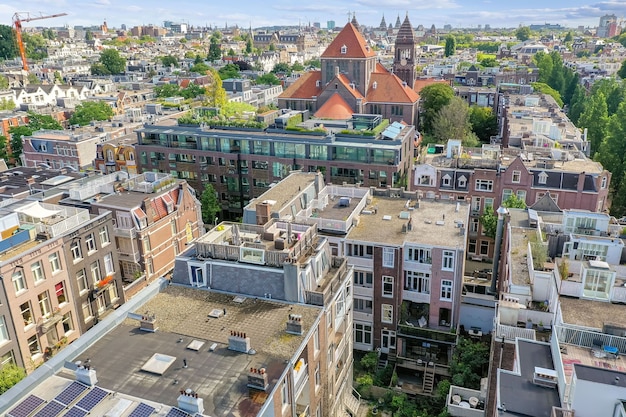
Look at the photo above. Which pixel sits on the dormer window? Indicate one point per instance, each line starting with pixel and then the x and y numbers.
pixel 374 85
pixel 542 178
pixel 462 181
pixel 445 180
pixel 318 83
pixel 344 49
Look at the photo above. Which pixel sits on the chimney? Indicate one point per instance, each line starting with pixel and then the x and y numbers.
pixel 262 213
pixel 86 375
pixel 294 324
pixel 257 379
pixel 239 342
pixel 189 402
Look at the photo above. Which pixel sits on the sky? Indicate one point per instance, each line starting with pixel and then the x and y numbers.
pixel 257 13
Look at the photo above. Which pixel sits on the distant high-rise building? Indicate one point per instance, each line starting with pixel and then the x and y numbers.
pixel 608 26
pixel 487 26
pixel 123 26
pixel 317 25
pixel 449 27
pixel 330 24
pixel 167 23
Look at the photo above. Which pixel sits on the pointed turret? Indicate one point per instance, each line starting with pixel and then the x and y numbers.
pixel 404 57
pixel 383 24
pixel 398 23
pixel 355 23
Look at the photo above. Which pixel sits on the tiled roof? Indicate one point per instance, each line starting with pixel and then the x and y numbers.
pixel 423 82
pixel 335 108
pixel 389 89
pixel 380 68
pixel 185 83
pixel 346 83
pixel 406 31
pixel 159 208
pixel 305 87
pixel 351 38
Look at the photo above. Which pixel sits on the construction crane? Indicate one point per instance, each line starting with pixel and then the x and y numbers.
pixel 17 22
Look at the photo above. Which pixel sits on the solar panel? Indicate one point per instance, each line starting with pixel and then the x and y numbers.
pixel 26 407
pixel 176 412
pixel 52 409
pixel 75 412
pixel 70 393
pixel 142 410
pixel 93 398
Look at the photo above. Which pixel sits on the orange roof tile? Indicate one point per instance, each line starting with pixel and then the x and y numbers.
pixel 346 83
pixel 335 108
pixel 305 87
pixel 423 82
pixel 389 89
pixel 356 45
pixel 380 68
pixel 185 83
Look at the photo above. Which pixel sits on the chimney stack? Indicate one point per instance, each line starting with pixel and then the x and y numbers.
pixel 239 342
pixel 257 379
pixel 294 324
pixel 189 402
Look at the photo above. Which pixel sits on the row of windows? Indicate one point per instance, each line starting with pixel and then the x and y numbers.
pixel 90 244
pixel 43 301
pixel 38 272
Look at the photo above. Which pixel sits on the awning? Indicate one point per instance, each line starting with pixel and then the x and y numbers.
pixel 37 211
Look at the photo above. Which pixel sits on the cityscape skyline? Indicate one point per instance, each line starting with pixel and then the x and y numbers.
pixel 457 13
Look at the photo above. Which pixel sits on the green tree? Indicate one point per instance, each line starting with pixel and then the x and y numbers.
pixel 296 67
pixel 198 59
pixel 450 48
pixel 612 151
pixel 231 52
pixel 88 111
pixel 9 376
pixel 32 78
pixel 215 50
pixel 215 93
pixel 484 122
pixel 35 122
pixel 8 44
pixel 36 46
pixel 7 104
pixel 489 218
pixel 169 60
pixel 523 33
pixel 229 71
pixel 270 78
pixel 568 37
pixel 315 63
pixel 200 68
pixel 546 89
pixel 88 35
pixel 577 104
pixel 4 82
pixel 210 204
pixel 469 363
pixel 369 362
pixel 236 109
pixel 192 91
pixel 489 62
pixel 595 118
pixel 282 67
pixel 434 97
pixel 111 63
pixel 249 46
pixel 452 121
pixel 167 90
pixel 4 151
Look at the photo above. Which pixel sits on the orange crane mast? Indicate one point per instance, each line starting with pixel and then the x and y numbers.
pixel 17 22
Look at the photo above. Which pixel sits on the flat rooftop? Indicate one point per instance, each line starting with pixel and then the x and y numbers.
pixel 577 355
pixel 285 191
pixel 434 223
pixel 519 255
pixel 589 313
pixel 219 376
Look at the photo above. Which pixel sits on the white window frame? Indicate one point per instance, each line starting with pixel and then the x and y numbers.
pixel 386 313
pixel 389 257
pixel 447 260
pixel 81 280
pixel 109 268
pixel 103 233
pixel 19 281
pixel 603 182
pixel 43 299
pixel 484 185
pixel 387 281
pixel 446 290
pixel 67 321
pixel 39 274
pixel 542 178
pixel 96 274
pixel 365 330
pixel 77 252
pixel 417 281
pixel 363 279
pixel 55 262
pixel 90 242
pixel 446 180
pixel 4 332
pixel 516 177
pixel 87 311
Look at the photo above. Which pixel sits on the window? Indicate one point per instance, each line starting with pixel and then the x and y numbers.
pixel 447 263
pixel 362 305
pixel 488 202
pixel 421 255
pixel 95 272
pixel 521 194
pixel 387 286
pixel 33 345
pixel 363 251
pixel 87 311
pixel 462 181
pixel 542 178
pixel 603 183
pixel 150 266
pixel 475 203
pixel 316 339
pixel 516 176
pixel 68 325
pixel 362 333
pixel 19 284
pixel 386 313
pixel 388 257
pixel 113 294
pixel 55 263
pixel 445 180
pixel 27 314
pixel 104 236
pixel 484 247
pixel 474 225
pixel 506 193
pixel 76 251
pixel 174 227
pixel 59 290
pixel 446 289
pixel 417 281
pixel 108 264
pixel 331 351
pixel 44 303
pixel 4 333
pixel 344 49
pixel 318 377
pixel 471 246
pixel 285 393
pixel 146 244
pixel 7 359
pixel 363 279
pixel 37 271
pixel 81 280
pixel 484 185
pixel 91 243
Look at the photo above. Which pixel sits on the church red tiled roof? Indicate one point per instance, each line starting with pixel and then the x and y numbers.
pixel 335 108
pixel 305 87
pixel 390 89
pixel 355 43
pixel 424 82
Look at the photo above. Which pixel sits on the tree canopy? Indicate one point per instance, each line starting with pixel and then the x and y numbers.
pixel 215 93
pixel 270 78
pixel 523 34
pixel 89 111
pixel 10 375
pixel 200 68
pixel 229 71
pixel 210 206
pixel 452 122
pixel 35 122
pixel 169 60
pixel 450 47
pixel 110 62
pixel 8 45
pixel 434 97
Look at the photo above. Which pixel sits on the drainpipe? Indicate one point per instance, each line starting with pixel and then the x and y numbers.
pixel 502 211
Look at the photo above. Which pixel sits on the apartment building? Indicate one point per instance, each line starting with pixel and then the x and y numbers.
pixel 242 164
pixel 62 278
pixel 116 155
pixel 292 264
pixel 58 149
pixel 155 215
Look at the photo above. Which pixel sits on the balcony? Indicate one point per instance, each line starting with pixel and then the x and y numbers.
pixel 50 322
pixel 130 256
pixel 126 233
pixel 427 334
pixel 416 296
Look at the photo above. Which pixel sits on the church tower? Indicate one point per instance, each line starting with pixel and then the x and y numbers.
pixel 404 57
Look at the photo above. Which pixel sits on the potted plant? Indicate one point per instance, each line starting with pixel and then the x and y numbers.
pixel 540 326
pixel 529 323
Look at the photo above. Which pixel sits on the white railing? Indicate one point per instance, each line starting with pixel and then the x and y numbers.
pixel 512 333
pixel 416 297
pixel 588 338
pixel 571 288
